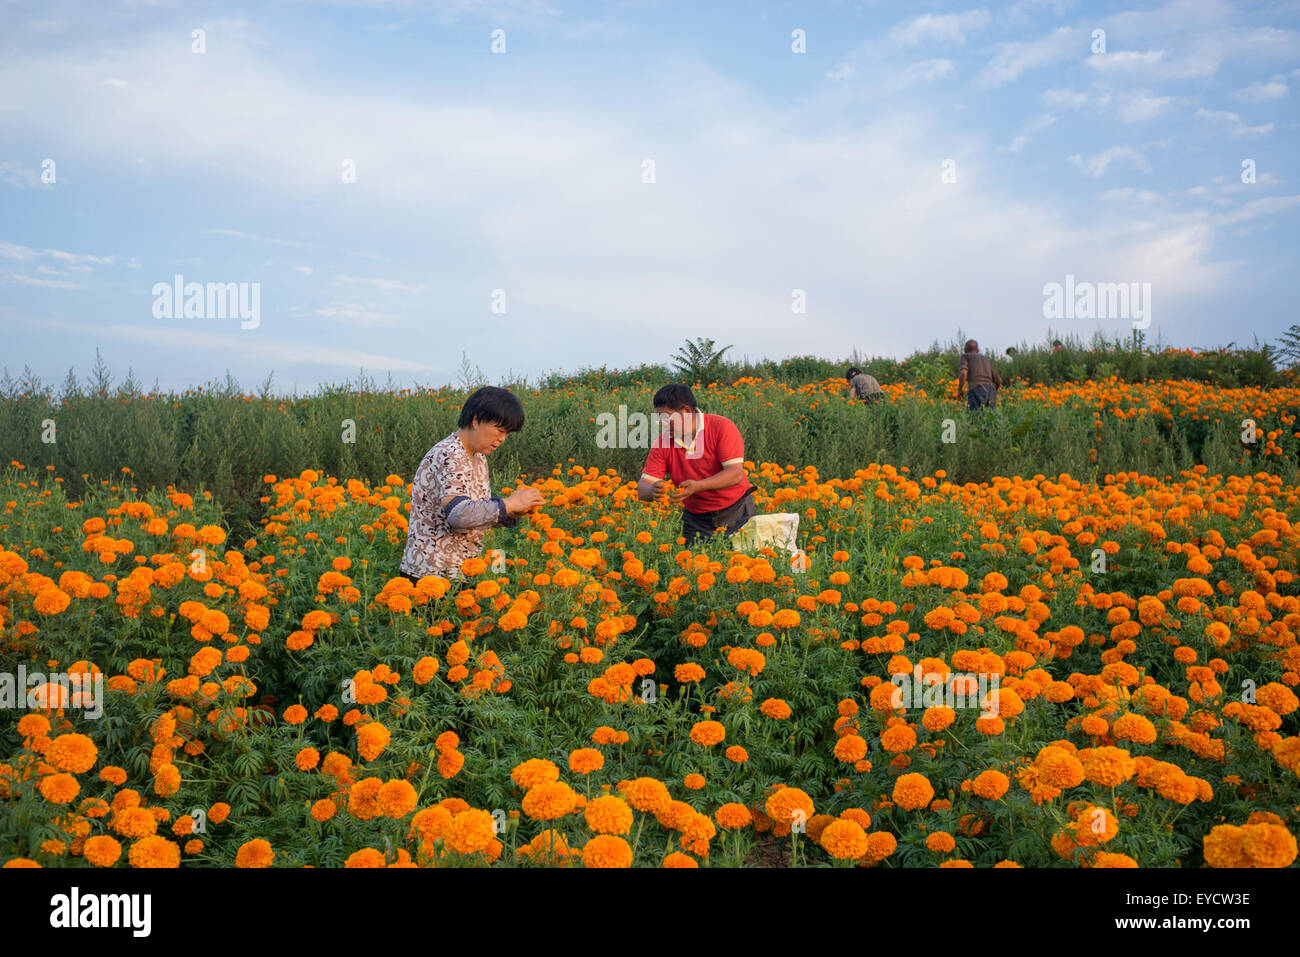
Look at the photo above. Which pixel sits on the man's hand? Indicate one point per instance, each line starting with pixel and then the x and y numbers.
pixel 685 490
pixel 523 500
pixel 652 490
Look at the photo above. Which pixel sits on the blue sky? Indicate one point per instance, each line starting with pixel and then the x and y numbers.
pixel 522 171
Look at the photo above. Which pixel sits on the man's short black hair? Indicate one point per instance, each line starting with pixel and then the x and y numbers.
pixel 972 346
pixel 675 396
pixel 854 370
pixel 492 406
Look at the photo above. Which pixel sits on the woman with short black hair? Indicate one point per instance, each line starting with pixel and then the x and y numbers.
pixel 452 505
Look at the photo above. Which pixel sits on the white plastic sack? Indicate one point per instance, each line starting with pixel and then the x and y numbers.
pixel 776 530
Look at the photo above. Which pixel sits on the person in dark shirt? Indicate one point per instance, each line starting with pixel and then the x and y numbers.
pixel 863 387
pixel 978 373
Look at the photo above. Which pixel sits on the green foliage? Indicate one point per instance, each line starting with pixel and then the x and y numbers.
pixel 217 438
pixel 699 362
pixel 1288 349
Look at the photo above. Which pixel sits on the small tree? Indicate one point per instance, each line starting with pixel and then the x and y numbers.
pixel 1288 348
pixel 469 378
pixel 698 362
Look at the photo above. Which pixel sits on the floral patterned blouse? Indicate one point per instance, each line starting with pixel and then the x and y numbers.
pixel 437 541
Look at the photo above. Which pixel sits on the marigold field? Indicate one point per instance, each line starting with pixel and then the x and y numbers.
pixel 593 694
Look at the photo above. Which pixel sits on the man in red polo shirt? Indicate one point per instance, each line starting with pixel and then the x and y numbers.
pixel 704 456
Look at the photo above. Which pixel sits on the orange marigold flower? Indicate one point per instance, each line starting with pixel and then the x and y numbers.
pixel 733 816
pixel 255 853
pixel 549 800
pixel 708 733
pixel 533 772
pixel 688 672
pixel 470 831
pixel 1133 727
pixel 1108 859
pixel 586 760
pixel 449 763
pixel 1268 845
pixel 938 718
pixel 606 850
pixel 1108 766
pixel 880 845
pixel 74 753
pixel 366 857
pixel 775 708
pixel 991 785
pixel 425 670
pixel 102 850
pixel 913 791
pixel 850 749
pixel 844 839
pixel 59 788
pixel 154 851
pixel 396 798
pixel 736 754
pixel 940 842
pixel 788 805
pixel 646 794
pixel 898 739
pixel 372 739
pixel 1059 768
pixel 608 815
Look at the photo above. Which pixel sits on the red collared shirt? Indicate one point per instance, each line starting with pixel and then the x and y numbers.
pixel 715 445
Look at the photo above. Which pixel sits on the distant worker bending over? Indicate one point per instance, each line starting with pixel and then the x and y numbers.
pixel 863 386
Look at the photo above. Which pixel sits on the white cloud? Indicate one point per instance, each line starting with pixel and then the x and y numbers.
pixel 382 285
pixel 927 71
pixel 1097 164
pixel 20 176
pixel 236 234
pixel 949 28
pixel 1122 61
pixel 357 314
pixel 1140 107
pixel 305 270
pixel 1128 192
pixel 1037 124
pixel 1069 99
pixel 23 280
pixel 1021 8
pixel 1233 122
pixel 248 343
pixel 596 256
pixel 1014 58
pixel 1256 208
pixel 10 250
pixel 1274 89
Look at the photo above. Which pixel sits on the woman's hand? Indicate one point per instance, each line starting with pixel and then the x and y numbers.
pixel 523 500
